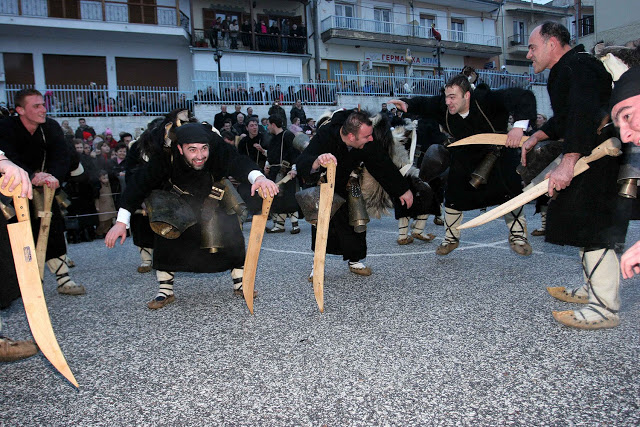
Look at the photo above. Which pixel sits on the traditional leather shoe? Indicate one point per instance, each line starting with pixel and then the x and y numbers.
pixel 295 230
pixel 240 292
pixel 405 241
pixel 524 250
pixel 429 237
pixel 11 350
pixel 446 248
pixel 159 302
pixel 274 230
pixel 144 268
pixel 71 288
pixel 560 292
pixel 366 271
pixel 437 220
pixel 575 319
pixel 537 232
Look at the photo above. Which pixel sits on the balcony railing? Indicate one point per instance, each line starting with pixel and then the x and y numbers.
pixel 134 12
pixel 408 30
pixel 244 41
pixel 518 40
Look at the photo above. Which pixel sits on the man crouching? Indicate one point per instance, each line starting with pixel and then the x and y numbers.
pixel 192 174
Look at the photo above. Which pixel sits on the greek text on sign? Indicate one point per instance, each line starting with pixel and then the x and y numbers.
pixel 391 58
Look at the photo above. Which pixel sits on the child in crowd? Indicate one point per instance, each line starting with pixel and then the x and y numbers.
pixel 105 205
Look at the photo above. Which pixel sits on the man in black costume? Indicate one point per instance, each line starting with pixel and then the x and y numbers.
pixel 464 112
pixel 199 159
pixel 281 161
pixel 251 146
pixel 587 212
pixel 346 139
pixel 37 144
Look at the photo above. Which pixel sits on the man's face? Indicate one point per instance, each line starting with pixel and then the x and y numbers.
pixel 298 103
pixel 223 108
pixel 626 116
pixel 195 154
pixel 384 107
pixel 249 111
pixel 121 153
pixel 126 139
pixel 105 149
pixel 540 120
pixel 227 126
pixel 261 86
pixel 229 141
pixel 33 111
pixel 86 148
pixel 365 134
pixel 539 51
pixel 240 118
pixel 79 148
pixel 238 108
pixel 455 100
pixel 252 127
pixel 82 122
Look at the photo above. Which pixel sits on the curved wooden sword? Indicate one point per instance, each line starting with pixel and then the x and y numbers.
pixel 24 257
pixel 45 226
pixel 485 139
pixel 610 147
pixel 258 225
pixel 322 233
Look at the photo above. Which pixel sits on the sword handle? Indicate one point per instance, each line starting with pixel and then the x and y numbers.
pixel 331 173
pixel 20 204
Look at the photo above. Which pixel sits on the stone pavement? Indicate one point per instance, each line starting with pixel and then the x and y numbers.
pixel 465 339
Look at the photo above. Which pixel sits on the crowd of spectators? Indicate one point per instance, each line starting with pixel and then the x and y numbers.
pixel 289 38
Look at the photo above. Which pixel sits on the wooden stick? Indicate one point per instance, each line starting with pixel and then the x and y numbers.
pixel 322 233
pixel 45 226
pixel 485 139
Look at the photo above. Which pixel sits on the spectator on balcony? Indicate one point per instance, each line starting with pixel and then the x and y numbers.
pixel 246 34
pixel 251 95
pixel 214 32
pixel 277 94
pixel 233 33
pixel 311 91
pixel 224 32
pixel 277 110
pixel 241 95
pixel 297 111
pixel 239 127
pixel 183 103
pixel 263 95
pixel 82 127
pixel 274 31
pixel 218 119
pixel 286 32
pixel 261 37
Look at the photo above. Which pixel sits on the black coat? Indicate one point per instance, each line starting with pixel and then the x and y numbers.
pixel 588 213
pixel 503 182
pixel 28 151
pixel 184 253
pixel 142 234
pixel 245 147
pixel 281 149
pixel 343 240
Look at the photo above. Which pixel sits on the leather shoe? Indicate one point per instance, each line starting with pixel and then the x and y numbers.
pixel 295 230
pixel 446 248
pixel 11 350
pixel 240 292
pixel 366 271
pixel 274 230
pixel 429 237
pixel 159 302
pixel 405 241
pixel 524 250
pixel 537 232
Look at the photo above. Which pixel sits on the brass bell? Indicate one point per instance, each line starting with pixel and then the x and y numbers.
pixel 628 188
pixel 358 216
pixel 169 214
pixel 217 227
pixel 309 202
pixel 7 210
pixel 482 172
pixel 233 202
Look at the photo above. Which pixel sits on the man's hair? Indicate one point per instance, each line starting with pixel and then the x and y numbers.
pixel 309 119
pixel 123 135
pixel 21 95
pixel 81 118
pixel 553 29
pixel 276 120
pixel 461 81
pixel 227 121
pixel 228 135
pixel 243 116
pixel 76 141
pixel 253 119
pixel 354 122
pixel 102 172
pixel 121 145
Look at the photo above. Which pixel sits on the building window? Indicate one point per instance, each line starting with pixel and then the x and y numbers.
pixel 426 24
pixel 345 14
pixel 586 25
pixel 519 33
pixel 383 20
pixel 147 72
pixel 341 67
pixel 457 30
pixel 64 9
pixel 75 70
pixel 18 68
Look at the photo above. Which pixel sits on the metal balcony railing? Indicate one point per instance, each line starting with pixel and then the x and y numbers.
pixel 380 27
pixel 244 41
pixel 518 40
pixel 134 12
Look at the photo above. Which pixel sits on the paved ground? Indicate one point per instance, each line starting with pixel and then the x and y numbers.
pixel 466 339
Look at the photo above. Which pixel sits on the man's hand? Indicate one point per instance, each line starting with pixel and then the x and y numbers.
pixel 292 173
pixel 43 178
pixel 630 261
pixel 19 176
pixel 514 137
pixel 259 148
pixel 118 230
pixel 323 160
pixel 561 177
pixel 526 147
pixel 400 105
pixel 268 187
pixel 407 199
